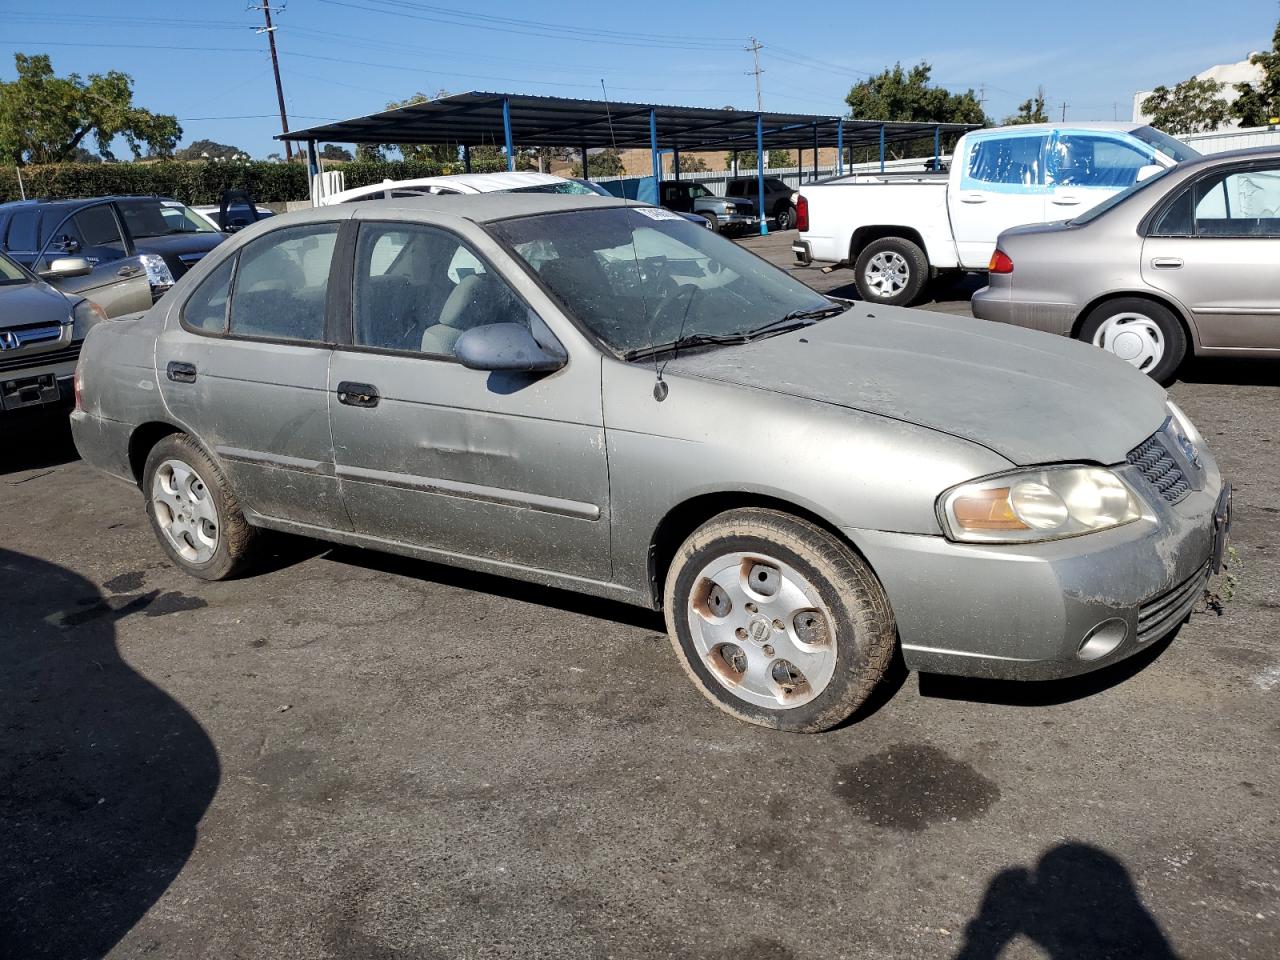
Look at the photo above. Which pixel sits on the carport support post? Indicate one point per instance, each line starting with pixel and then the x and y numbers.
pixel 654 158
pixel 506 129
pixel 882 148
pixel 839 148
pixel 815 151
pixel 466 157
pixel 313 172
pixel 735 163
pixel 764 225
pixel 937 143
pixel 675 162
pixel 586 174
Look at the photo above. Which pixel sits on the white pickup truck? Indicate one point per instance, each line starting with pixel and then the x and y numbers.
pixel 899 232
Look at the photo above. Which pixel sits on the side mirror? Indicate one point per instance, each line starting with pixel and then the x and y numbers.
pixel 1148 170
pixel 67 245
pixel 67 267
pixel 507 347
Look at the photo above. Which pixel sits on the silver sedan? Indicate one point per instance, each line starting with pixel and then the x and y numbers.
pixel 602 397
pixel 1185 261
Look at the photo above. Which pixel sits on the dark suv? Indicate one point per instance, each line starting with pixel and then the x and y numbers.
pixel 777 198
pixel 126 240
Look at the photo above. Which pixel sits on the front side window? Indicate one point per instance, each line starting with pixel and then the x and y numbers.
pixel 281 284
pixel 697 191
pixel 639 276
pixel 1083 160
pixel 419 289
pixel 97 228
pixel 1010 162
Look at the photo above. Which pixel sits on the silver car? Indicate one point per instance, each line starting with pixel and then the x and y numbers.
pixel 1183 261
pixel 602 397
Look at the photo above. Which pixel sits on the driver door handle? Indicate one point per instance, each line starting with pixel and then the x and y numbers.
pixel 128 270
pixel 1166 263
pixel 358 394
pixel 973 198
pixel 1065 200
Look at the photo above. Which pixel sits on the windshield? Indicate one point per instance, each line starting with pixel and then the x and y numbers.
pixel 160 218
pixel 564 186
pixel 1117 198
pixel 10 273
pixel 1171 148
pixel 640 276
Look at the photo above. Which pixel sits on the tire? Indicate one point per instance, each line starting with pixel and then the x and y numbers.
pixel 730 643
pixel 785 217
pixel 901 264
pixel 193 512
pixel 1142 332
pixel 713 220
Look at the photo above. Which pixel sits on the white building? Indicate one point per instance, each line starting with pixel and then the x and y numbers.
pixel 1228 74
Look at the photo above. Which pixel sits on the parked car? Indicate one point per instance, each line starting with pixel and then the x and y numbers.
pixel 458 183
pixel 599 396
pixel 728 214
pixel 593 187
pixel 1184 261
pixel 238 215
pixel 41 331
pixel 897 232
pixel 779 200
pixel 136 246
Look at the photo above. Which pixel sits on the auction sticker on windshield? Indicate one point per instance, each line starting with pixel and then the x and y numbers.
pixel 658 213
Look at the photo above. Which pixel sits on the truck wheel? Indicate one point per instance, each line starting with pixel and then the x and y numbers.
pixel 776 621
pixel 786 217
pixel 193 511
pixel 891 270
pixel 712 221
pixel 1142 332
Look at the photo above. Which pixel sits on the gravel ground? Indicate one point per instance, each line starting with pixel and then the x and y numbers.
pixel 353 755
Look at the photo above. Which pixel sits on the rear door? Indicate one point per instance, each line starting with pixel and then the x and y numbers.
pixel 245 364
pixel 1215 247
pixel 1001 184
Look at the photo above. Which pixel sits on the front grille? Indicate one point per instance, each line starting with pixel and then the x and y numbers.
pixel 1158 465
pixel 15 338
pixel 40 359
pixel 1162 613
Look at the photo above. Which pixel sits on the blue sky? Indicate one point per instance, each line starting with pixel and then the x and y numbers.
pixel 341 58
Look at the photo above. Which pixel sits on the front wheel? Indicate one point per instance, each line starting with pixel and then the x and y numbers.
pixel 891 271
pixel 777 621
pixel 1140 332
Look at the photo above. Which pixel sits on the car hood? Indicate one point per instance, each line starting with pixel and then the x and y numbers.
pixel 32 303
pixel 1028 396
pixel 176 244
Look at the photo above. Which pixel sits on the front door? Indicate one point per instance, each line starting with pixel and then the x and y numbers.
pixel 117 283
pixel 1001 186
pixel 246 367
pixel 1086 167
pixel 1215 248
pixel 508 468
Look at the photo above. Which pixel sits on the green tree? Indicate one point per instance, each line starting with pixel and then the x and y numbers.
pixel 332 151
pixel 603 163
pixel 44 117
pixel 1029 111
pixel 692 163
pixel 1256 105
pixel 208 150
pixel 1190 107
pixel 747 159
pixel 898 94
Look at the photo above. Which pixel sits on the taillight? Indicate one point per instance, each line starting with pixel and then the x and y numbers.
pixel 1000 263
pixel 802 213
pixel 76 388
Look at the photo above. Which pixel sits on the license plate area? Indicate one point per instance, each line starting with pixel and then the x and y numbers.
pixel 28 391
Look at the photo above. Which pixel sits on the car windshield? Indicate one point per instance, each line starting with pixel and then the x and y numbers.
pixel 565 186
pixel 642 276
pixel 1171 148
pixel 1118 198
pixel 10 273
pixel 160 218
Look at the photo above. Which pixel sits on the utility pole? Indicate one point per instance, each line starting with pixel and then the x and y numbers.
pixel 1064 111
pixel 755 48
pixel 270 31
pixel 982 95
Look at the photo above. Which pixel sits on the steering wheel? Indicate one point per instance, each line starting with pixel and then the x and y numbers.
pixel 674 310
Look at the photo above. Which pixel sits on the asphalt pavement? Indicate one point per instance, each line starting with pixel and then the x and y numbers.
pixel 354 755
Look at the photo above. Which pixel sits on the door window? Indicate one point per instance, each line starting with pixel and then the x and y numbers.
pixel 281 284
pixel 1009 162
pixel 1082 160
pixel 21 237
pixel 206 308
pixel 1243 203
pixel 418 288
pixel 98 232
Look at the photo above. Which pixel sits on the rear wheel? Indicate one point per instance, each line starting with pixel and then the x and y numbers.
pixel 892 271
pixel 777 621
pixel 1140 332
pixel 785 217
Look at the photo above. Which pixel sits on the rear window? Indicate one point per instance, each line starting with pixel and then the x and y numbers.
pixel 1174 149
pixel 1012 161
pixel 21 236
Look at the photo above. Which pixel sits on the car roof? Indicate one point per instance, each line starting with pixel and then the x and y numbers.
pixel 489 207
pixel 47 203
pixel 461 182
pixel 1118 126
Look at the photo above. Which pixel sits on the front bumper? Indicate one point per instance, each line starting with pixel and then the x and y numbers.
pixel 40 380
pixel 1027 611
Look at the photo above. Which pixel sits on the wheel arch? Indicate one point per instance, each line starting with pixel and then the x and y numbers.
pixel 865 236
pixel 686 517
pixel 146 435
pixel 1178 312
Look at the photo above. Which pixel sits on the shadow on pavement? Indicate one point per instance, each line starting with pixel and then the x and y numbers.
pixel 1077 902
pixel 1249 373
pixel 35 439
pixel 1042 693
pixel 104 776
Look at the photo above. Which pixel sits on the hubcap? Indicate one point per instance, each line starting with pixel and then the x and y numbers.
pixel 762 630
pixel 1133 337
pixel 887 273
pixel 185 511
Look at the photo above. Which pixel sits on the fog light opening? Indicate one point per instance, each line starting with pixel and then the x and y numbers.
pixel 1102 639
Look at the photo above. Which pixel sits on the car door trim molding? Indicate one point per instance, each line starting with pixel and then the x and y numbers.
pixel 473 491
pixel 241 455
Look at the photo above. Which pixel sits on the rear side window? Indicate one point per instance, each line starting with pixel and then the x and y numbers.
pixel 282 282
pixel 206 308
pixel 21 237
pixel 1008 161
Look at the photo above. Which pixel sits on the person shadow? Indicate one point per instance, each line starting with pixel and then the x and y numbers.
pixel 1077 902
pixel 104 777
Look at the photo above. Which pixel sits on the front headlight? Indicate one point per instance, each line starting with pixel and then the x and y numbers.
pixel 1041 504
pixel 158 273
pixel 1186 428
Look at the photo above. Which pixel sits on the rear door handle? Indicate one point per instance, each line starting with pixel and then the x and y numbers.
pixel 180 372
pixel 973 198
pixel 1166 263
pixel 358 394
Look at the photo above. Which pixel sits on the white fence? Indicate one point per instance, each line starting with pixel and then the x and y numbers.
pixel 1220 140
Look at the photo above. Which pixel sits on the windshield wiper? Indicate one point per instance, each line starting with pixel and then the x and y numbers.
pixel 691 340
